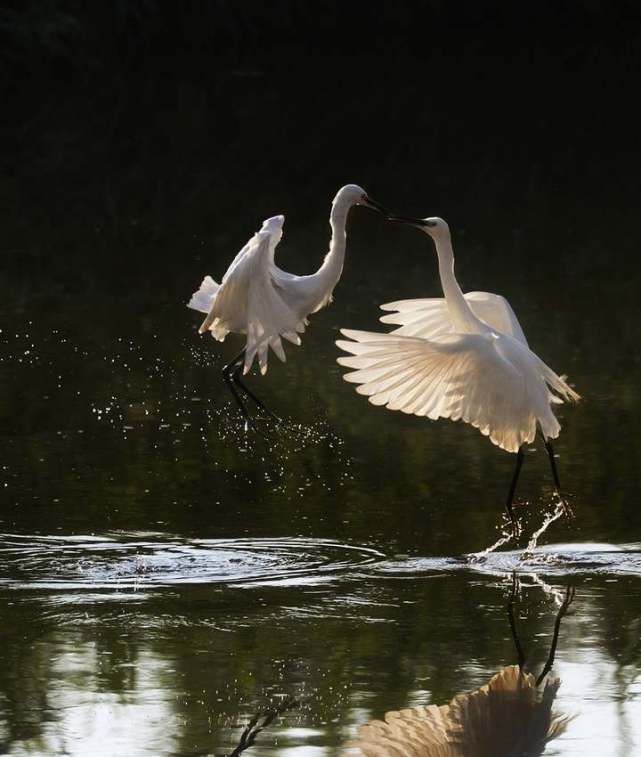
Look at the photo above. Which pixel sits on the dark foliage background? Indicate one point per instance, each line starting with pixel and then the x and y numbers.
pixel 126 123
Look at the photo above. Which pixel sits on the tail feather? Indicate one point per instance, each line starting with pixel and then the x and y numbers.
pixel 557 383
pixel 203 299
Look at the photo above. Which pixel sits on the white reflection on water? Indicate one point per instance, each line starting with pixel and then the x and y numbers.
pixel 608 720
pixel 88 722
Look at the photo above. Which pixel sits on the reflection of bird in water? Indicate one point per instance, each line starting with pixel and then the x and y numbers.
pixel 510 716
pixel 506 716
pixel 260 300
pixel 463 357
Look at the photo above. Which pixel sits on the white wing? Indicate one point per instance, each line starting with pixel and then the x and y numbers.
pixel 203 299
pixel 430 317
pixel 249 302
pixel 490 381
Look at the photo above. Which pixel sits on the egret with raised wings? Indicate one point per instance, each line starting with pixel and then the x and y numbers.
pixel 462 357
pixel 260 300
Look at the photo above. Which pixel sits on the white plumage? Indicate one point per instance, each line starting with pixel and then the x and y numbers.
pixel 429 317
pixel 463 357
pixel 254 299
pixel 260 300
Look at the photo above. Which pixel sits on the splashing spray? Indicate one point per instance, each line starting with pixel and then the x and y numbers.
pixel 549 519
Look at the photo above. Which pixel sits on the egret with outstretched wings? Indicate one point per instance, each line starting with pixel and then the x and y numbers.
pixel 462 357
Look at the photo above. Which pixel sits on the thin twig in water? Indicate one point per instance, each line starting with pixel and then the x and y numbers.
pixel 260 721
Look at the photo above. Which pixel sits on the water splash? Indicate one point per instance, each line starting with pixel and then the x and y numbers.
pixel 587 558
pixel 505 538
pixel 549 519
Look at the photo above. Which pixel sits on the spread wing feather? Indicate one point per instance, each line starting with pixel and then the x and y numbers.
pixel 429 317
pixel 491 381
pixel 415 732
pixel 249 301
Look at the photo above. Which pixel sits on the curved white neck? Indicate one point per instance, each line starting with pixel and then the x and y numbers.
pixel 461 314
pixel 332 266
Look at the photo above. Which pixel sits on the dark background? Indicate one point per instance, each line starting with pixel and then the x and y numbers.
pixel 132 132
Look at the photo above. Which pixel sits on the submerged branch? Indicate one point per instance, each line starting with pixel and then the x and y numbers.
pixel 260 721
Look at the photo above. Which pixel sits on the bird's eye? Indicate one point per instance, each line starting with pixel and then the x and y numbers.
pixel 431 223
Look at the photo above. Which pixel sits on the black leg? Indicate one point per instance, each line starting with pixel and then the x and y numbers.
pixel 567 510
pixel 235 374
pixel 228 378
pixel 569 596
pixel 510 497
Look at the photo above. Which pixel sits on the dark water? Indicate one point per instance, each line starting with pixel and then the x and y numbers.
pixel 163 575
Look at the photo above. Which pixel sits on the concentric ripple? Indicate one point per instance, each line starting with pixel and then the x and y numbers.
pixel 146 560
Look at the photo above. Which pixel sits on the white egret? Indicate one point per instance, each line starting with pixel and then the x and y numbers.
pixel 463 357
pixel 260 300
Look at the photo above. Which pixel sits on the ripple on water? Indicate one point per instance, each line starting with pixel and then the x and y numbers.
pixel 552 559
pixel 144 560
pixel 139 561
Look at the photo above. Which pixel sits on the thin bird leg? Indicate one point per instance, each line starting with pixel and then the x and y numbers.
pixel 569 597
pixel 567 510
pixel 510 614
pixel 236 374
pixel 228 378
pixel 509 508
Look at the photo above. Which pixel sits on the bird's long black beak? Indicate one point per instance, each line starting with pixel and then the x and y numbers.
pixel 418 222
pixel 369 203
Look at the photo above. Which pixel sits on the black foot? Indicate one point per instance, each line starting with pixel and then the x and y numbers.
pixel 568 512
pixel 516 528
pixel 240 393
pixel 509 504
pixel 248 393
